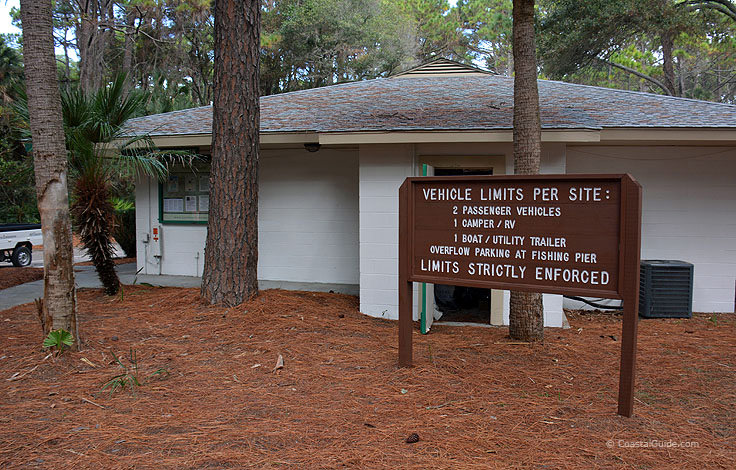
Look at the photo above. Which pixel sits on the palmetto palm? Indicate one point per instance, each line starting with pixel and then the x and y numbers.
pixel 97 157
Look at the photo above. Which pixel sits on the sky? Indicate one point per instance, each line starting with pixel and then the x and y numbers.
pixel 6 23
pixel 6 26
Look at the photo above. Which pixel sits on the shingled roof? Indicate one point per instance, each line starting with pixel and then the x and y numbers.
pixel 464 102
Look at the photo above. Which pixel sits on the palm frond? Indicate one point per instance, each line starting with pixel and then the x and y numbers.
pixel 112 107
pixel 179 158
pixel 141 162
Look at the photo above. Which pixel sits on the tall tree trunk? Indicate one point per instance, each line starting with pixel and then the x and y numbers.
pixel 231 256
pixel 526 315
pixel 90 42
pixel 129 46
pixel 680 77
pixel 50 165
pixel 668 44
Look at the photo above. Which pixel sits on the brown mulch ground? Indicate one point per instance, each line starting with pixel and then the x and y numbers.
pixel 11 276
pixel 131 259
pixel 341 402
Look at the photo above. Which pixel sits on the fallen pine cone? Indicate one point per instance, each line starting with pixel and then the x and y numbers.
pixel 413 437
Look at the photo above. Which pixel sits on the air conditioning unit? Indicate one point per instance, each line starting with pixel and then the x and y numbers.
pixel 665 289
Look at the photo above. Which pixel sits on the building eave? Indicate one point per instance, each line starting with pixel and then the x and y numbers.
pixel 670 135
pixel 205 140
pixel 431 137
pixel 623 136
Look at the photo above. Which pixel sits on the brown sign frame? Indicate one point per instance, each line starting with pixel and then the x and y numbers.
pixel 629 253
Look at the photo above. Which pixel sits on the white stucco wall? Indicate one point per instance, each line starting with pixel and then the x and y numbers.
pixel 308 221
pixel 689 209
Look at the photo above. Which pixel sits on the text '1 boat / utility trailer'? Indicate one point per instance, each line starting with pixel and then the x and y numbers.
pixel 16 242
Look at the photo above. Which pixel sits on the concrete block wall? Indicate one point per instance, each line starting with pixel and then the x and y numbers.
pixel 688 209
pixel 308 216
pixel 382 170
pixel 308 221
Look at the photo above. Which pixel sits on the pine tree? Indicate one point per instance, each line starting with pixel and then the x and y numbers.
pixel 231 254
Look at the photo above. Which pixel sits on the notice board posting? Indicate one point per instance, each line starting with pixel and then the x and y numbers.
pixel 564 234
pixel 546 235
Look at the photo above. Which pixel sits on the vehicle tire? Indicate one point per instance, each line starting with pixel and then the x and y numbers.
pixel 21 256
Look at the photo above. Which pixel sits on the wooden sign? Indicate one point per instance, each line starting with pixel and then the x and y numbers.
pixel 562 234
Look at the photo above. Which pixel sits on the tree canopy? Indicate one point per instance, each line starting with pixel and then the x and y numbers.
pixel 678 48
pixel 166 47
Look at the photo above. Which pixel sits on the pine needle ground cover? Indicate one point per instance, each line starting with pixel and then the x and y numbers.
pixel 11 276
pixel 114 260
pixel 303 380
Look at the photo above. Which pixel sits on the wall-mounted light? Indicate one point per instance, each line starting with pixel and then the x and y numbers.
pixel 312 146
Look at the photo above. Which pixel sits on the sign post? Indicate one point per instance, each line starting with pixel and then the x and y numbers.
pixel 561 234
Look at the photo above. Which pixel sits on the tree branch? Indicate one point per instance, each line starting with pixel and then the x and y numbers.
pixel 724 6
pixel 126 30
pixel 638 74
pixel 730 80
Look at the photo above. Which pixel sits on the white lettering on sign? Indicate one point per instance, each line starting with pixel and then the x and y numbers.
pixel 538 211
pixel 496 270
pixel 472 238
pixel 449 250
pixel 545 194
pixel 555 242
pixel 589 258
pixel 447 194
pixel 478 223
pixel 501 194
pixel 486 210
pixel 508 239
pixel 493 252
pixel 596 278
pixel 585 194
pixel 440 266
pixel 489 232
pixel 550 255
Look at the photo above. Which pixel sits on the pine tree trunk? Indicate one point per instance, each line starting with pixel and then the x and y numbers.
pixel 526 315
pixel 668 44
pixel 50 165
pixel 91 46
pixel 231 254
pixel 129 46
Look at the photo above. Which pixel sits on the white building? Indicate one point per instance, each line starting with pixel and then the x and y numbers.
pixel 330 217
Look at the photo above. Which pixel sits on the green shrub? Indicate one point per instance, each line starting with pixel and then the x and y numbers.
pixel 17 190
pixel 124 231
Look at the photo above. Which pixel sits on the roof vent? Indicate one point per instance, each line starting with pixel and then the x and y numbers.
pixel 442 67
pixel 665 289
